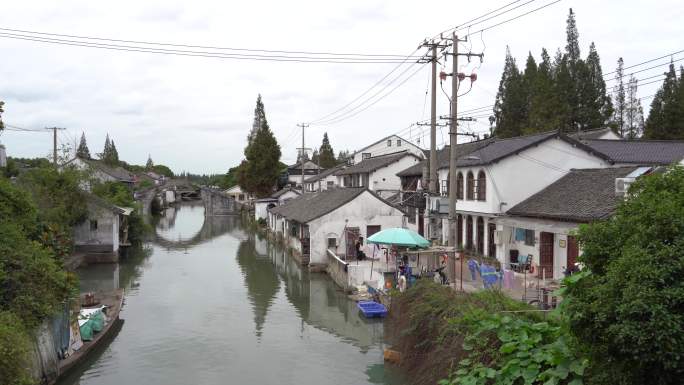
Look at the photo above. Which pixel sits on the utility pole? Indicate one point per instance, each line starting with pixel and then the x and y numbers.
pixel 432 174
pixel 453 134
pixel 301 154
pixel 54 143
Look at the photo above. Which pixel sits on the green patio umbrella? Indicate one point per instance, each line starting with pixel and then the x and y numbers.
pixel 399 237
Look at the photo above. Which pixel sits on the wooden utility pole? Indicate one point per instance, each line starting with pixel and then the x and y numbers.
pixel 433 124
pixel 54 143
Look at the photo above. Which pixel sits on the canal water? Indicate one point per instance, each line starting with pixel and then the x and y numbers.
pixel 208 302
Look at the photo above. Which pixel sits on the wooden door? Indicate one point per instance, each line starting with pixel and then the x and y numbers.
pixel 573 252
pixel 351 235
pixel 480 235
pixel 421 224
pixel 546 243
pixel 469 233
pixel 459 230
pixel 491 247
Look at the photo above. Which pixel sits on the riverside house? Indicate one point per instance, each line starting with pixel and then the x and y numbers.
pixel 332 219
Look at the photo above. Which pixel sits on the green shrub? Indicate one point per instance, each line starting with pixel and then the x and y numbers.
pixel 15 348
pixel 628 313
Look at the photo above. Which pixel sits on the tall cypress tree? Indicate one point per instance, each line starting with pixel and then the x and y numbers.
pixel 662 120
pixel 113 158
pixel 619 100
pixel 149 165
pixel 83 151
pixel 2 125
pixel 326 153
pixel 595 107
pixel 509 108
pixel 259 172
pixel 543 114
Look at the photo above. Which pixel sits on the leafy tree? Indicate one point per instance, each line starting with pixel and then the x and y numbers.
pixel 109 154
pixel 634 114
pixel 666 118
pixel 2 125
pixel 15 349
pixel 119 195
pixel 258 173
pixel 619 100
pixel 326 153
pixel 83 151
pixel 163 170
pixel 149 165
pixel 315 157
pixel 626 310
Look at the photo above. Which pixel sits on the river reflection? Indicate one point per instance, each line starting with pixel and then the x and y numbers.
pixel 210 303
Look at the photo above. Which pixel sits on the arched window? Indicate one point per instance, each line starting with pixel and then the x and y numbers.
pixel 470 186
pixel 481 186
pixel 459 185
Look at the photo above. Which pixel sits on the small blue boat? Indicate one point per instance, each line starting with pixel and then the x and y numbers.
pixel 372 309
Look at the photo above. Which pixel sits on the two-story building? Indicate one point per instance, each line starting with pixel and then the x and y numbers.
pixel 378 173
pixel 102 172
pixel 324 180
pixel 388 145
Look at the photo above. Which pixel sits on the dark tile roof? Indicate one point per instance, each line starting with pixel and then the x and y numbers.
pixel 591 134
pixel 374 163
pixel 443 154
pixel 324 174
pixel 646 152
pixel 580 196
pixel 308 165
pixel 115 171
pixel 282 191
pixel 498 149
pixel 308 207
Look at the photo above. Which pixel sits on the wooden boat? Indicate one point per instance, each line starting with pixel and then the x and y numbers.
pixel 114 303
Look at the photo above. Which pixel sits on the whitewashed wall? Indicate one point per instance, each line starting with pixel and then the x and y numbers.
pixel 365 210
pixel 386 178
pixel 381 148
pixel 517 177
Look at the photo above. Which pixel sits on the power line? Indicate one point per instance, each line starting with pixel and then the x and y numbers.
pixel 647 61
pixel 646 69
pixel 308 53
pixel 475 19
pixel 513 18
pixel 339 119
pixel 206 54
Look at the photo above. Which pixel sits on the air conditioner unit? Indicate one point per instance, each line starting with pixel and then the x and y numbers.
pixel 622 185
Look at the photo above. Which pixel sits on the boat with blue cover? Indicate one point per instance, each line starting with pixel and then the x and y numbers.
pixel 372 309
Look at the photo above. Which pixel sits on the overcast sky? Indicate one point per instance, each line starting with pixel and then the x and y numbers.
pixel 194 113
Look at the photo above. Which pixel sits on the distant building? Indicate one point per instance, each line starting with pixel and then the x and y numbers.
pixel 323 181
pixel 239 195
pixel 378 173
pixel 261 206
pixel 103 172
pixel 388 145
pixel 294 172
pixel 105 230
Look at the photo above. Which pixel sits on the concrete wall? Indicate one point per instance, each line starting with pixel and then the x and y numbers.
pixel 3 156
pixel 105 237
pixel 218 203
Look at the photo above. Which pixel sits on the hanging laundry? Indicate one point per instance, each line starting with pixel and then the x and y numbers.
pixel 508 278
pixel 474 268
